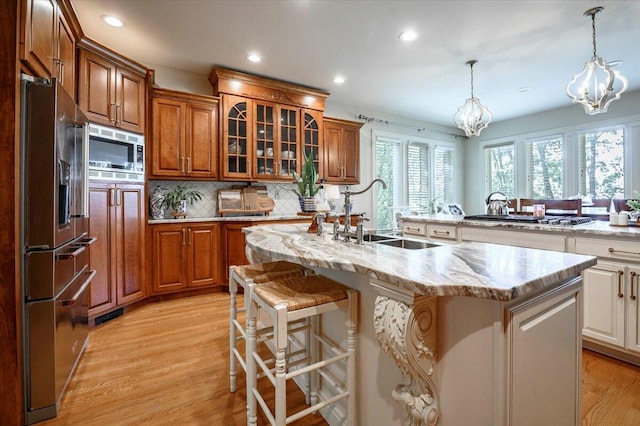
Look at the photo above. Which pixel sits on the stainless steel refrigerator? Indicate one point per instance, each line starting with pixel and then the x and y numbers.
pixel 55 243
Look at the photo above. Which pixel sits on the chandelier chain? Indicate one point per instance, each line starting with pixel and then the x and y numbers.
pixel 471 65
pixel 593 28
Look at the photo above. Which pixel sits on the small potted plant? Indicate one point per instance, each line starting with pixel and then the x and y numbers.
pixel 306 184
pixel 635 207
pixel 178 198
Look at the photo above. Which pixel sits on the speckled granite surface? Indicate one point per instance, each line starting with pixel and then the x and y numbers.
pixel 466 269
pixel 597 227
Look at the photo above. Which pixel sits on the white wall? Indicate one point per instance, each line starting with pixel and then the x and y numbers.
pixel 572 116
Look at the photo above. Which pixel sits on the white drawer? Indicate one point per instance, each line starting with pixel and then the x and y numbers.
pixel 414 228
pixel 623 250
pixel 514 238
pixel 442 232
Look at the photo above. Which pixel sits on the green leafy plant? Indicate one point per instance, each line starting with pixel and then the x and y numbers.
pixel 173 197
pixel 306 181
pixel 634 204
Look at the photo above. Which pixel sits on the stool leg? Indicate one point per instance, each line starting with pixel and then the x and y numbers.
pixel 280 340
pixel 252 375
pixel 352 318
pixel 233 290
pixel 307 355
pixel 314 352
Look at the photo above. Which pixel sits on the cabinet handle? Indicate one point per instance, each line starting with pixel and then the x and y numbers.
pixel 633 277
pixel 118 196
pixel 112 114
pixel 620 273
pixel 118 108
pixel 612 250
pixel 182 165
pixel 112 197
pixel 436 232
pixel 409 228
pixel 184 237
pixel 190 236
pixel 188 164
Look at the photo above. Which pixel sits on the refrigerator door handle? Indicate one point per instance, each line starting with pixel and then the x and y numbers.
pixel 73 254
pixel 74 298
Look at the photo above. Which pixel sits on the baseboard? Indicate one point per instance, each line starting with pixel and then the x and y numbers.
pixel 613 353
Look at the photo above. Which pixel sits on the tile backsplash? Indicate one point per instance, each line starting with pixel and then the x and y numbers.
pixel 286 201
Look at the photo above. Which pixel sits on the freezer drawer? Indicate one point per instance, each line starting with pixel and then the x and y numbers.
pixel 58 331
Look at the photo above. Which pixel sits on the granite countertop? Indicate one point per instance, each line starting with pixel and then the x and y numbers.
pixel 482 270
pixel 227 219
pixel 596 227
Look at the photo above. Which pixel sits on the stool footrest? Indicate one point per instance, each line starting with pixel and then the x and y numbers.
pixel 317 365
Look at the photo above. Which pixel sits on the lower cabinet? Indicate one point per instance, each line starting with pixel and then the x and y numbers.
pixel 233 241
pixel 185 256
pixel 117 220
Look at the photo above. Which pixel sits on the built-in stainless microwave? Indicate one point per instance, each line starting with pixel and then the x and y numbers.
pixel 115 154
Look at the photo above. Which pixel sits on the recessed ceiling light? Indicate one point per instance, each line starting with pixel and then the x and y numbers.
pixel 338 79
pixel 408 35
pixel 524 89
pixel 112 20
pixel 254 57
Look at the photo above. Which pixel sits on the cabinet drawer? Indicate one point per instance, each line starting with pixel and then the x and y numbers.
pixel 514 238
pixel 623 250
pixel 413 228
pixel 443 232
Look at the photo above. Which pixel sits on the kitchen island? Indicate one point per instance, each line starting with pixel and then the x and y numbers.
pixel 473 333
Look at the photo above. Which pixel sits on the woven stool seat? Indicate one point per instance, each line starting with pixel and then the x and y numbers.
pixel 301 292
pixel 261 272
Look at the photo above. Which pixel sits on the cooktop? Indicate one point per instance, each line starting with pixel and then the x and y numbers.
pixel 520 218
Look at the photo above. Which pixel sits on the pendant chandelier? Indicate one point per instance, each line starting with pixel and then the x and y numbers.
pixel 597 85
pixel 472 117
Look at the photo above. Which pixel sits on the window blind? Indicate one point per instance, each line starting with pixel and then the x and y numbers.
pixel 418 176
pixel 443 174
pixel 499 166
pixel 601 163
pixel 545 168
pixel 388 165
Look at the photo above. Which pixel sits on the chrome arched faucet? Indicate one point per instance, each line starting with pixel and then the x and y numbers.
pixel 347 211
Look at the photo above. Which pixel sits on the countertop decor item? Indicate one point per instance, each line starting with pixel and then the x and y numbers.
pixel 472 117
pixel 157 207
pixel 179 197
pixel 597 85
pixel 306 184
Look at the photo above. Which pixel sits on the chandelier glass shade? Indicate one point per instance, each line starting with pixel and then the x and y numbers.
pixel 597 85
pixel 472 117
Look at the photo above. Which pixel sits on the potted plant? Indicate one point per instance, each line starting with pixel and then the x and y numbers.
pixel 635 207
pixel 306 184
pixel 176 199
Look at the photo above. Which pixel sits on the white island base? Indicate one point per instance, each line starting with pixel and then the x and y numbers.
pixel 456 361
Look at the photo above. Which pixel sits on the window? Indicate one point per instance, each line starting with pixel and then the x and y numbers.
pixel 417 172
pixel 499 168
pixel 544 165
pixel 601 163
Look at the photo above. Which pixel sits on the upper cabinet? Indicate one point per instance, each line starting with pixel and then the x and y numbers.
pixel 184 135
pixel 112 89
pixel 48 41
pixel 267 126
pixel 341 151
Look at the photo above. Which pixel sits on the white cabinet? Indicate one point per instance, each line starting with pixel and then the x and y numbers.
pixel 611 312
pixel 432 231
pixel 535 240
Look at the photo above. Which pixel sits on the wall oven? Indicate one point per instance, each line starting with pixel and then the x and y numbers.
pixel 115 154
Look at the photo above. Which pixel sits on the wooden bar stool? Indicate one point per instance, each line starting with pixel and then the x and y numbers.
pixel 286 300
pixel 242 276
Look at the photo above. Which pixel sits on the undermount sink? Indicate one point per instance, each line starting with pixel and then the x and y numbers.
pixel 370 238
pixel 408 244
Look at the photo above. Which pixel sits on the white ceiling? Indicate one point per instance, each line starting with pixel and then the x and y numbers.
pixel 537 44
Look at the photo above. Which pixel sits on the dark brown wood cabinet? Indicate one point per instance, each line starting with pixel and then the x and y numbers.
pixel 48 42
pixel 341 151
pixel 185 256
pixel 117 220
pixel 109 91
pixel 184 135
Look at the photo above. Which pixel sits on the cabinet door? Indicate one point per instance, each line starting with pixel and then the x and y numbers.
pixel 96 88
pixel 233 240
pixel 204 254
pixel 265 130
pixel 604 300
pixel 332 154
pixel 169 257
pixel 168 138
pixel 633 308
pixel 66 57
pixel 129 256
pixel 102 294
pixel 39 33
pixel 202 140
pixel 288 149
pixel 350 149
pixel 237 144
pixel 130 102
pixel 312 138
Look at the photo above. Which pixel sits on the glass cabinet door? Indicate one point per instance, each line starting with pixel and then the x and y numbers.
pixel 237 144
pixel 265 147
pixel 312 137
pixel 288 142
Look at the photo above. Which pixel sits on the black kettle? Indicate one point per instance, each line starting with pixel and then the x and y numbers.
pixel 497 207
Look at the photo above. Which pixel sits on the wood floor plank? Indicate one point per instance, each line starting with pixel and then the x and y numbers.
pixel 167 363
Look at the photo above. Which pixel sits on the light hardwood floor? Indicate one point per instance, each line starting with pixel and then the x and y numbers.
pixel 167 363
